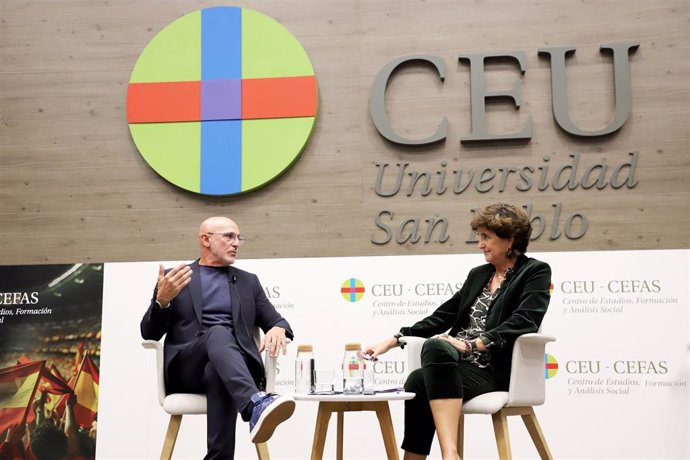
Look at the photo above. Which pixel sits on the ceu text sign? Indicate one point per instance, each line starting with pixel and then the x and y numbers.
pixel 576 173
pixel 222 101
pixel 479 96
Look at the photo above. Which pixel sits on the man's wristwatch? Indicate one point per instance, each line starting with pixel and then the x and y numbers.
pixel 160 305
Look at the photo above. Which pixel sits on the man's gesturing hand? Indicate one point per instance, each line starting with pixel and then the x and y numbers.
pixel 170 284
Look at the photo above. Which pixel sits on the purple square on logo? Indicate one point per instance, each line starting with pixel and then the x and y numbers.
pixel 221 99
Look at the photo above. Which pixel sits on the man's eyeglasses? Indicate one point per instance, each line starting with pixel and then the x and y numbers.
pixel 230 237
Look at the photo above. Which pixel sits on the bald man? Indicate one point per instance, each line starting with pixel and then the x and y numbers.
pixel 207 311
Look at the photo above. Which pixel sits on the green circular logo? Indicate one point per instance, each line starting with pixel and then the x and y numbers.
pixel 222 101
pixel 352 290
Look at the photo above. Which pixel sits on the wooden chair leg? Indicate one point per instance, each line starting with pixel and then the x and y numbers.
pixel 536 434
pixel 461 436
pixel 171 436
pixel 262 451
pixel 501 433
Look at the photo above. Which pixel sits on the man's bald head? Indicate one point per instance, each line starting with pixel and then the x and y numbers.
pixel 215 224
pixel 215 246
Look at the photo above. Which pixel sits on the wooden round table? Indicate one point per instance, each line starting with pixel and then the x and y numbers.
pixel 340 403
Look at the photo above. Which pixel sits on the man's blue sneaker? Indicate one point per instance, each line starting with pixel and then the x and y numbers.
pixel 269 411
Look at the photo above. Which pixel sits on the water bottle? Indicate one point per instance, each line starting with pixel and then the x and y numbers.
pixel 353 370
pixel 304 370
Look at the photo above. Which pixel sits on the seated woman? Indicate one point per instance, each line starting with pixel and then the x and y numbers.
pixel 473 333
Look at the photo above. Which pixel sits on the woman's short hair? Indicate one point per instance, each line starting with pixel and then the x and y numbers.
pixel 506 221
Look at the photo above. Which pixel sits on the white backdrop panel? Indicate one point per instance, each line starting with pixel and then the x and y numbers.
pixel 621 321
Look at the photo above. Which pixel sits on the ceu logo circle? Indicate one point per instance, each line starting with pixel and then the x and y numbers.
pixel 550 366
pixel 352 290
pixel 222 101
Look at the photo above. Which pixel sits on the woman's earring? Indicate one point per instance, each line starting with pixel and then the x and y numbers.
pixel 509 253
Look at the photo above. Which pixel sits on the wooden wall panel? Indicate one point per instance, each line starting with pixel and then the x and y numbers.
pixel 74 188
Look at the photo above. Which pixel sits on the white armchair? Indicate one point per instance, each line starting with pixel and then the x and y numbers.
pixel 179 404
pixel 527 389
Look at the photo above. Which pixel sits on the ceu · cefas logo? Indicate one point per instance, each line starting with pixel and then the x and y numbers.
pixel 222 101
pixel 550 366
pixel 352 290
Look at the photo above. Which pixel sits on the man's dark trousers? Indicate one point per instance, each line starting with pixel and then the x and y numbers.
pixel 215 365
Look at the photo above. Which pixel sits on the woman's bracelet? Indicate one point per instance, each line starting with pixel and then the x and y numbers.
pixel 470 347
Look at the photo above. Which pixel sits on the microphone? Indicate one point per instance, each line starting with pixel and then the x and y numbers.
pixel 509 274
pixel 234 279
